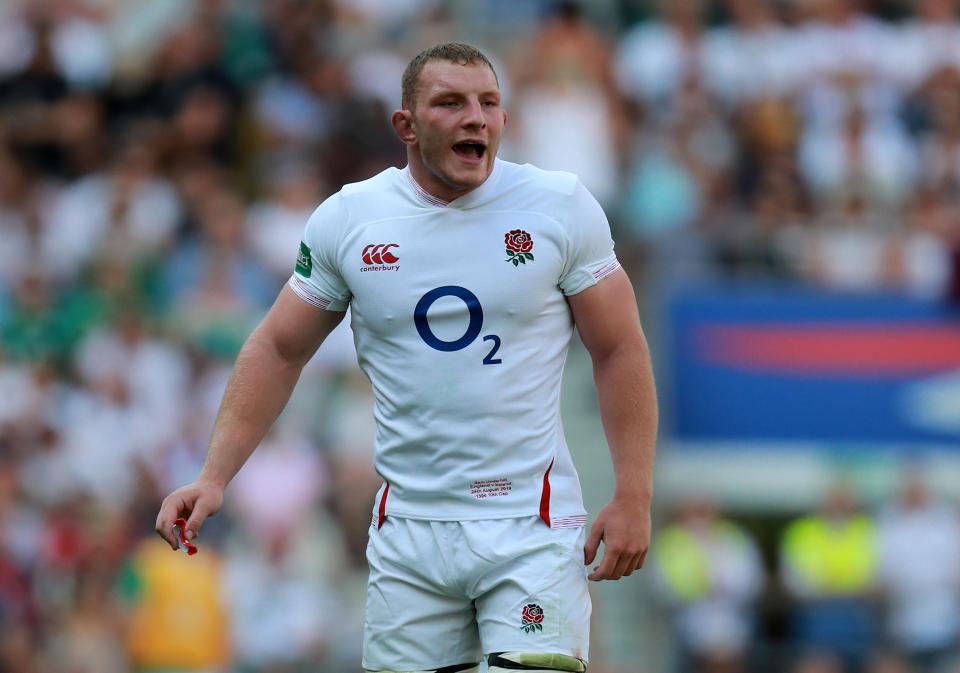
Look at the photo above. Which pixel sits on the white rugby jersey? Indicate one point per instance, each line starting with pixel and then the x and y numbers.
pixel 460 323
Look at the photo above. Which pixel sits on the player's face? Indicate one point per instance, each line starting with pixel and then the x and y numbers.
pixel 458 122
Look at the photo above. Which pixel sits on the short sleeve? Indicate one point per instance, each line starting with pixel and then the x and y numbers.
pixel 589 257
pixel 316 278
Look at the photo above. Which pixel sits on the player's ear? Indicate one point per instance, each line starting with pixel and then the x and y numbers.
pixel 402 121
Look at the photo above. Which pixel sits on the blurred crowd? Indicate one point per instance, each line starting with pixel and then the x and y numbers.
pixel 843 589
pixel 808 140
pixel 158 161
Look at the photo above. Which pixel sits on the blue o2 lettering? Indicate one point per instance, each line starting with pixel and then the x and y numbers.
pixel 423 327
pixel 473 328
pixel 490 360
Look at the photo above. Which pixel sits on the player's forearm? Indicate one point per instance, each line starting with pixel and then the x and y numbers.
pixel 628 411
pixel 258 390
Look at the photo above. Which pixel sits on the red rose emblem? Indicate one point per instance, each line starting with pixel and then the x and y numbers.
pixel 518 240
pixel 519 244
pixel 532 613
pixel 532 618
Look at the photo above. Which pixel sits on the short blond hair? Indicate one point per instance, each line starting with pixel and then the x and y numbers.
pixel 452 52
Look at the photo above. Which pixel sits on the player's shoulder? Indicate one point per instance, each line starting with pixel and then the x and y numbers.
pixel 384 184
pixel 375 197
pixel 558 195
pixel 528 188
pixel 534 178
pixel 360 201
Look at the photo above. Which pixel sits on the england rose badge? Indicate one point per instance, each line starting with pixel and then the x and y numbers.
pixel 519 244
pixel 532 618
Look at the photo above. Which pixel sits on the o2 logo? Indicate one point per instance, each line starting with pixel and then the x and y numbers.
pixel 473 328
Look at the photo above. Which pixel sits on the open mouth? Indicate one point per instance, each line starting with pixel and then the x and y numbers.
pixel 471 151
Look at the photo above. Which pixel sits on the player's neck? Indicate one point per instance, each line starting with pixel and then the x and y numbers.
pixel 432 185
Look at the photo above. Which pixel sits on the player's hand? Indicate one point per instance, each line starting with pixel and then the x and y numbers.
pixel 194 502
pixel 624 528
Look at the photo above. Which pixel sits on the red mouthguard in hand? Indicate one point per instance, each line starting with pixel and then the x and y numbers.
pixel 185 546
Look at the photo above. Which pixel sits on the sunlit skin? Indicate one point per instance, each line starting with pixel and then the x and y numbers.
pixel 454 104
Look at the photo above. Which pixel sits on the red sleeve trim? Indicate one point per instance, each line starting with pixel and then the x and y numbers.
pixel 545 496
pixel 605 271
pixel 301 290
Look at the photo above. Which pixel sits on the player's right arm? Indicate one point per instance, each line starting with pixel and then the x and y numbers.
pixel 265 373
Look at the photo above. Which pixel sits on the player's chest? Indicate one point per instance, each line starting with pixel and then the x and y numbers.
pixel 505 264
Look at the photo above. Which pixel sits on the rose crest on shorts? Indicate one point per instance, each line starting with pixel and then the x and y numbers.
pixel 519 244
pixel 532 618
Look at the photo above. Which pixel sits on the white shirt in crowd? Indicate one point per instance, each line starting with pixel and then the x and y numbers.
pixel 919 548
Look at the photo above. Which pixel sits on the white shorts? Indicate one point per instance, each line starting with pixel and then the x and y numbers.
pixel 448 592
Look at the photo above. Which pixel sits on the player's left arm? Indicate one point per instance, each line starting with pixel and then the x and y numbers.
pixel 609 325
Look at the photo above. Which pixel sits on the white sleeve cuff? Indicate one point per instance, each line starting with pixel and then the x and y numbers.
pixel 309 295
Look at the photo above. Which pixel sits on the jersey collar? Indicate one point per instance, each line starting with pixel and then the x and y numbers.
pixel 471 197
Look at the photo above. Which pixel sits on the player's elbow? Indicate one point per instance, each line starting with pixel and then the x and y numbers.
pixel 276 346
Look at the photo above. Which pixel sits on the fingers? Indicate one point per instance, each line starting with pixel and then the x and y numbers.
pixel 195 503
pixel 597 575
pixel 593 543
pixel 169 510
pixel 623 566
pixel 617 564
pixel 633 563
pixel 201 510
pixel 604 571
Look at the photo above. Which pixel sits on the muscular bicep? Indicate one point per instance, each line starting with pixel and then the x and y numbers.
pixel 294 328
pixel 606 316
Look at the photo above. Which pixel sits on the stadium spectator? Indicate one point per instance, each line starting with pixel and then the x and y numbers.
pixel 656 58
pixel 919 543
pixel 709 570
pixel 872 157
pixel 178 618
pixel 128 211
pixel 751 57
pixel 829 563
pixel 565 80
pixel 274 223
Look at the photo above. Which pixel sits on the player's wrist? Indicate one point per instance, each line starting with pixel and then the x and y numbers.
pixel 634 494
pixel 209 479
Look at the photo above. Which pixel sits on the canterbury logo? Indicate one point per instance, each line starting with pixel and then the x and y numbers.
pixel 379 254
